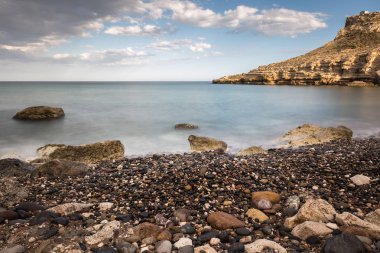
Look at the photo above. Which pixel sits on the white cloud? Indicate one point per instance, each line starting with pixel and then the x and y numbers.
pixel 125 56
pixel 169 45
pixel 134 30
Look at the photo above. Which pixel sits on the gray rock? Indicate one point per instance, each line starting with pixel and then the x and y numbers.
pixel 39 113
pixel 293 202
pixel 186 249
pixel 164 246
pixel 125 247
pixel 343 243
pixel 61 169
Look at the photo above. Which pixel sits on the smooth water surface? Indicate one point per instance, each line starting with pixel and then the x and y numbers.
pixel 143 114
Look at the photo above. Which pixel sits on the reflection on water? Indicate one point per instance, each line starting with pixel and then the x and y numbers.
pixel 143 114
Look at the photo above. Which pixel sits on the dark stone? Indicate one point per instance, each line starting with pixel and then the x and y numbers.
pixel 267 230
pixel 187 229
pixel 256 225
pixel 289 212
pixel 30 207
pixel 224 236
pixel 76 217
pixel 205 237
pixel 236 248
pixel 124 217
pixel 42 217
pixel 105 250
pixel 186 249
pixel 9 215
pixel 2 220
pixel 144 215
pixel 343 243
pixel 61 221
pixel 23 214
pixel 242 231
pixel 312 240
pixel 14 168
pixel 82 246
pixel 47 233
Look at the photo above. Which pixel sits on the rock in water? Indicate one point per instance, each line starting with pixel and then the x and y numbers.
pixel 312 134
pixel 198 143
pixel 251 151
pixel 90 153
pixel 343 243
pixel 351 59
pixel 14 168
pixel 184 126
pixel 61 168
pixel 39 113
pixel 222 221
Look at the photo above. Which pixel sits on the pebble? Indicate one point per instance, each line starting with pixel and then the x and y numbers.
pixel 183 242
pixel 242 231
pixel 186 249
pixel 236 248
pixel 164 246
pixel 187 229
pixel 214 241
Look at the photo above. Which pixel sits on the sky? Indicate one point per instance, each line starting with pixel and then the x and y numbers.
pixel 160 40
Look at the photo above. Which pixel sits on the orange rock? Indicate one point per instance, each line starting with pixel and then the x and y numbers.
pixel 268 195
pixel 222 221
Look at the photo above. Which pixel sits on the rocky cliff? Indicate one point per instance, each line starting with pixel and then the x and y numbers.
pixel 352 59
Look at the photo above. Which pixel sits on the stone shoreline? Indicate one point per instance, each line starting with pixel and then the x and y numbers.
pixel 163 203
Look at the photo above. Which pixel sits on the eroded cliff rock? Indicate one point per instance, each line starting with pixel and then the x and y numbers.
pixel 351 59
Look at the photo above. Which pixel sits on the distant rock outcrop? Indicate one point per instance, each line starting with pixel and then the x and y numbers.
pixel 39 113
pixel 90 153
pixel 185 126
pixel 351 59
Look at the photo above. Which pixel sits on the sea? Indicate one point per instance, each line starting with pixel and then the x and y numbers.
pixel 143 114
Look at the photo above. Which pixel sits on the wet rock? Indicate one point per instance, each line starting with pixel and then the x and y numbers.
pixel 311 228
pixel 60 169
pixel 69 208
pixel 106 232
pixel 14 249
pixel 350 220
pixel 259 245
pixel 312 134
pixel 14 168
pixel 273 197
pixel 183 242
pixel 164 247
pixel 198 143
pixel 146 229
pixel 205 249
pixel 39 113
pixel 373 217
pixel 89 153
pixel 360 180
pixel 242 231
pixel 184 126
pixel 222 221
pixel 256 214
pixel 251 151
pixel 313 210
pixel 30 207
pixel 343 243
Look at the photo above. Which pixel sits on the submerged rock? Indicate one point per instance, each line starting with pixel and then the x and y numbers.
pixel 198 143
pixel 251 151
pixel 89 153
pixel 312 134
pixel 61 168
pixel 184 126
pixel 39 113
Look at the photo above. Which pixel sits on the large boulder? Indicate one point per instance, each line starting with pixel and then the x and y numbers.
pixel 198 143
pixel 222 221
pixel 318 210
pixel 312 134
pixel 14 168
pixel 254 150
pixel 90 153
pixel 61 169
pixel 39 113
pixel 360 226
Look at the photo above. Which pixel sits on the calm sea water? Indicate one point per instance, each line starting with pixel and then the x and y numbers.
pixel 143 114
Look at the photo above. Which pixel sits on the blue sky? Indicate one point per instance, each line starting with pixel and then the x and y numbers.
pixel 125 40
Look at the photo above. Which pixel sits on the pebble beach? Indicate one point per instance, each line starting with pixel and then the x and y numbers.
pixel 288 200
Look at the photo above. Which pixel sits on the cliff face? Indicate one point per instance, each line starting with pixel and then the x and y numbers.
pixel 352 59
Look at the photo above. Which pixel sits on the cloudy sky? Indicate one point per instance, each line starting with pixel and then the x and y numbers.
pixel 160 39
